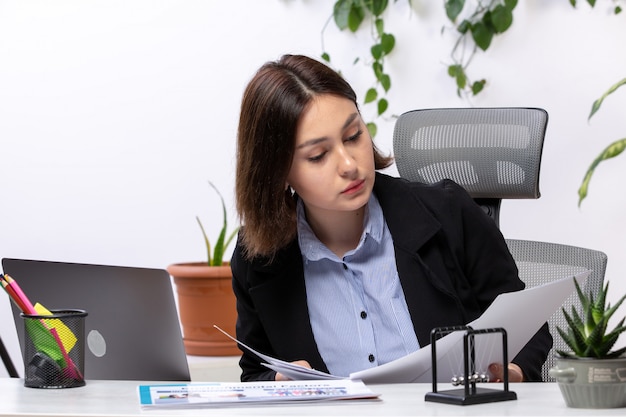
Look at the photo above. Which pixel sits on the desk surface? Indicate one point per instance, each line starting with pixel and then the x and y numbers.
pixel 119 398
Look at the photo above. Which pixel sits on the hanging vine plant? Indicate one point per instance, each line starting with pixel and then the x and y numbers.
pixel 475 23
pixel 350 15
pixel 485 20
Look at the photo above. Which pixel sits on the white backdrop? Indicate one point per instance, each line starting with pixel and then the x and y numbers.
pixel 114 114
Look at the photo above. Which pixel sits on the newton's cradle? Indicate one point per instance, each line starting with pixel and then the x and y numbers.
pixel 470 393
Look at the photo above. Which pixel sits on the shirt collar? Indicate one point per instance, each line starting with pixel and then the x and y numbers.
pixel 313 249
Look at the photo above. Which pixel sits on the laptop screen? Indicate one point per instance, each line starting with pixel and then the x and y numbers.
pixel 132 325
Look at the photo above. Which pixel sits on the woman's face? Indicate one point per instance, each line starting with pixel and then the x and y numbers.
pixel 333 162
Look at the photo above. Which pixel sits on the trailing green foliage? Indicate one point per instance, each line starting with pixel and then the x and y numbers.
pixel 484 20
pixel 611 151
pixel 587 333
pixel 350 14
pixel 217 256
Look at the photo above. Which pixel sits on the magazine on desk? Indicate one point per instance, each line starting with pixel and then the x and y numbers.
pixel 221 394
pixel 520 313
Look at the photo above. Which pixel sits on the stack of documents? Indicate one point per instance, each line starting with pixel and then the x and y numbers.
pixel 520 313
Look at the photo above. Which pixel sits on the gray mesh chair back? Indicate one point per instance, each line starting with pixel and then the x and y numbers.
pixel 542 262
pixel 494 153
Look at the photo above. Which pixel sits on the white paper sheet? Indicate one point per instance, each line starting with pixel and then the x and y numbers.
pixel 520 313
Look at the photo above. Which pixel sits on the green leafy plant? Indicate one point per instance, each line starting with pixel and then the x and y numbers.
pixel 587 333
pixel 350 14
pixel 485 20
pixel 611 151
pixel 216 257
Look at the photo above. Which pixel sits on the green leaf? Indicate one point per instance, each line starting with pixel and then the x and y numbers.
pixel 207 243
pixel 371 95
pixel 453 70
pixel 464 26
pixel 454 8
pixel 341 12
pixel 372 128
pixel 355 17
pixel 502 18
pixel 482 35
pixel 217 256
pixel 596 104
pixel 380 26
pixel 610 151
pixel 377 67
pixel 385 81
pixel 376 7
pixel 377 51
pixel 326 57
pixel 382 106
pixel 457 72
pixel 387 41
pixel 478 86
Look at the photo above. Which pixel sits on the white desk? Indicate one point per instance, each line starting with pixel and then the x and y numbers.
pixel 119 398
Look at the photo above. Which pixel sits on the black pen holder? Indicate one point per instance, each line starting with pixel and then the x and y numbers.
pixel 54 349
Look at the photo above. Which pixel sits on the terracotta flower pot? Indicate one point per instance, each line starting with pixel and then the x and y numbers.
pixel 205 298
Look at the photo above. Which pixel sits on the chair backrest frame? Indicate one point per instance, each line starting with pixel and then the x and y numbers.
pixel 493 152
pixel 542 262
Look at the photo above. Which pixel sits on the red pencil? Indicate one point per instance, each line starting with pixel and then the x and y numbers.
pixel 23 300
pixel 12 295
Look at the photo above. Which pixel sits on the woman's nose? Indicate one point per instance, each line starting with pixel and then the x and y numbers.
pixel 347 163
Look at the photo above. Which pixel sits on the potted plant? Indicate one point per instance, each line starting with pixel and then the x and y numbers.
pixel 592 375
pixel 206 298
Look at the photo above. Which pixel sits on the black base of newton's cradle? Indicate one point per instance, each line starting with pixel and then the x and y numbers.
pixel 481 396
pixel 470 394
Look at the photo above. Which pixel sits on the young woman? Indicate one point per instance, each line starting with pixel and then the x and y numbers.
pixel 340 267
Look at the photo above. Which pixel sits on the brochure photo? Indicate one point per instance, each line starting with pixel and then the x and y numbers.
pixel 221 394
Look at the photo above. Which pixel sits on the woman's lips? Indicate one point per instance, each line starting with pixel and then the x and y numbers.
pixel 354 187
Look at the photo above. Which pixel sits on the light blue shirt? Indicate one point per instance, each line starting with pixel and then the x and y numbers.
pixel 356 304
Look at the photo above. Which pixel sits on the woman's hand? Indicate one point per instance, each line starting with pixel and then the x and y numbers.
pixel 281 377
pixel 497 372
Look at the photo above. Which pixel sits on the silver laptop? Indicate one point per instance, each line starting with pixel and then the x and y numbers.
pixel 132 325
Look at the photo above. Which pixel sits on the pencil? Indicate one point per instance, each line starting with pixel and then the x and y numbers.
pixel 28 306
pixel 11 292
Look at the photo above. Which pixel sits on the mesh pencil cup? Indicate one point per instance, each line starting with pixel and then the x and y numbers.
pixel 54 349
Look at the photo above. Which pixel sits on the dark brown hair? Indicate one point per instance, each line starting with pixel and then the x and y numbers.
pixel 271 106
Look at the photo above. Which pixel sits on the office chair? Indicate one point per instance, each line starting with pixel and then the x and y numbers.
pixel 542 262
pixel 494 153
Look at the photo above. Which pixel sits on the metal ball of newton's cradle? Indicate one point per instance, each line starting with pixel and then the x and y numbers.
pixel 476 377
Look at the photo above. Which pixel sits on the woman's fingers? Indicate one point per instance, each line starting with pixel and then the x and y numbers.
pixel 497 372
pixel 281 377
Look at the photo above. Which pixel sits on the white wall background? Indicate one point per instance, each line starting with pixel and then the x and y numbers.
pixel 114 114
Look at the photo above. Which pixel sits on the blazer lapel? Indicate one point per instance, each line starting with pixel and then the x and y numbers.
pixel 280 294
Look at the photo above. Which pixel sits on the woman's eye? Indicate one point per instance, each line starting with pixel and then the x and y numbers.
pixel 317 158
pixel 354 137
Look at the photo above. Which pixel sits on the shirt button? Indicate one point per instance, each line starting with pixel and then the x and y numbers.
pixel 345 267
pixel 371 358
pixel 363 315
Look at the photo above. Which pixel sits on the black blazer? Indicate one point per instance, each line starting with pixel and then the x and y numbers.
pixel 452 262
